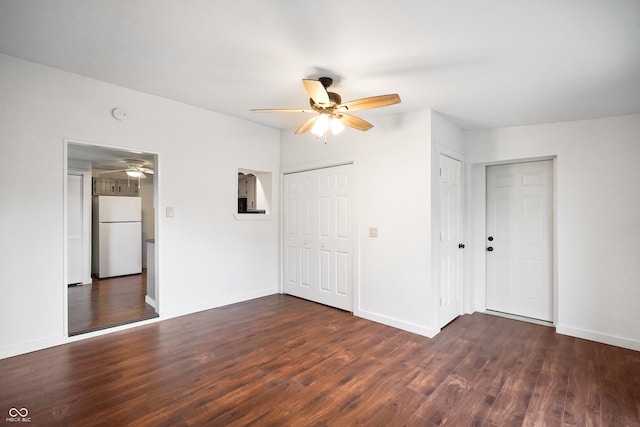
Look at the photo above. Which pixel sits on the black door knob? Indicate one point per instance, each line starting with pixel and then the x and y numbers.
pixel 461 245
pixel 490 249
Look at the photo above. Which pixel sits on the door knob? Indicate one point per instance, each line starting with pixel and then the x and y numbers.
pixel 461 245
pixel 490 248
pixel 490 238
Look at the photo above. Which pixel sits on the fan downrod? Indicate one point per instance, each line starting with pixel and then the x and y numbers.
pixel 326 81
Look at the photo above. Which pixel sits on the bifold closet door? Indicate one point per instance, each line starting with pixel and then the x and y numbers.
pixel 318 236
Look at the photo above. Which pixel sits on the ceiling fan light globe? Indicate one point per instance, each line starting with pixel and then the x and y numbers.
pixel 321 125
pixel 134 174
pixel 336 125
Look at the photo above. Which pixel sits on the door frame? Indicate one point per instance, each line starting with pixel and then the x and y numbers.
pixel 156 225
pixel 355 219
pixel 477 222
pixel 436 228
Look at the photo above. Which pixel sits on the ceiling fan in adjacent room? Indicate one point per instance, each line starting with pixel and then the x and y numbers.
pixel 330 111
pixel 135 169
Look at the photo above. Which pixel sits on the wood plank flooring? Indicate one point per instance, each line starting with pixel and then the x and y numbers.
pixel 284 361
pixel 108 302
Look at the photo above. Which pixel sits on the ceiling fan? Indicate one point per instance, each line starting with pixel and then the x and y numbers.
pixel 331 112
pixel 135 169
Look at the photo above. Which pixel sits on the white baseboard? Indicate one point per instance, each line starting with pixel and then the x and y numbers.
pixel 478 307
pixel 598 337
pixel 28 347
pixel 396 323
pixel 37 345
pixel 151 302
pixel 23 348
pixel 218 303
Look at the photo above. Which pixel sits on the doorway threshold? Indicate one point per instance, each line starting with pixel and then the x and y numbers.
pixel 520 318
pixel 101 327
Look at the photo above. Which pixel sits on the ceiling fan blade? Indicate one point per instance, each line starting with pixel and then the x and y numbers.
pixel 281 110
pixel 371 102
pixel 306 126
pixel 113 171
pixel 354 122
pixel 146 170
pixel 317 92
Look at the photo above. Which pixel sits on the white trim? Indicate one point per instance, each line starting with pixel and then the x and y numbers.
pixel 478 251
pixel 219 302
pixel 598 337
pixel 396 323
pixel 321 164
pixel 520 318
pixel 42 344
pixel 151 302
pixel 65 273
pixel 449 152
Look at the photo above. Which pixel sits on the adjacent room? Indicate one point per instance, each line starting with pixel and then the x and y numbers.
pixel 338 213
pixel 110 238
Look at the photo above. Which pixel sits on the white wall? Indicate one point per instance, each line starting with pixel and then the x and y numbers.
pixel 393 165
pixel 597 213
pixel 206 257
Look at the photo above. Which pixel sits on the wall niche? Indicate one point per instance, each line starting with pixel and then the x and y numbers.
pixel 254 192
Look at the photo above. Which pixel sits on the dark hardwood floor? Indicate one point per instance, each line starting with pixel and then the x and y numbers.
pixel 108 302
pixel 281 361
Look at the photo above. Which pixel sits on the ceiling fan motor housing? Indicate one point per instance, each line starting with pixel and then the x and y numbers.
pixel 334 99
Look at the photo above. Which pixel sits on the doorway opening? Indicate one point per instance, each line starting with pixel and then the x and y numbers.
pixel 110 199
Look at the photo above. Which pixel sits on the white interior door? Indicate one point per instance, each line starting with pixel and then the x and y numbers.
pixel 451 243
pixel 74 229
pixel 318 236
pixel 519 239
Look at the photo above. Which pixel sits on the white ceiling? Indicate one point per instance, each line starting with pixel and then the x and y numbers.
pixel 489 63
pixel 107 158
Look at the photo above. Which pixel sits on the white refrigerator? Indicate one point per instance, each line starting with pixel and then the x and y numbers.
pixel 117 236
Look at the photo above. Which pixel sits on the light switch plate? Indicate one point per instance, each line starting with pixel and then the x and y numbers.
pixel 169 212
pixel 373 231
